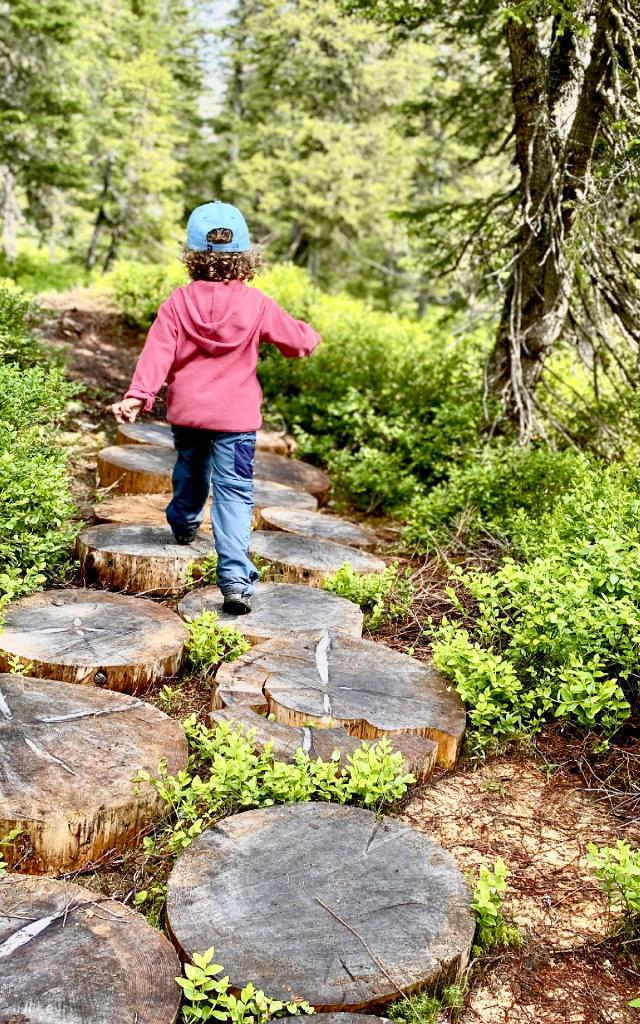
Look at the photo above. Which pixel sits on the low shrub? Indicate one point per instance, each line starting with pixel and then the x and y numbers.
pixel 35 273
pixel 618 868
pixel 208 644
pixel 492 929
pixel 557 632
pixel 383 596
pixel 139 288
pixel 18 316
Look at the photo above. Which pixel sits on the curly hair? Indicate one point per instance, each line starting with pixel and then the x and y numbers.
pixel 222 266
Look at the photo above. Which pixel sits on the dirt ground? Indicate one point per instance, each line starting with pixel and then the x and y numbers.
pixel 537 809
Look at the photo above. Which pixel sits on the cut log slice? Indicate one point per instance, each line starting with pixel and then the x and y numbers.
pixel 332 679
pixel 292 473
pixel 303 560
pixel 139 559
pixel 145 433
pixel 149 509
pixel 267 439
pixel 279 609
pixel 345 1018
pixel 71 956
pixel 324 903
pixel 140 509
pixel 93 638
pixel 316 525
pixel 67 757
pixel 136 468
pixel 419 753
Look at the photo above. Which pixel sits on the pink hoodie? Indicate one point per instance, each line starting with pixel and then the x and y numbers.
pixel 204 343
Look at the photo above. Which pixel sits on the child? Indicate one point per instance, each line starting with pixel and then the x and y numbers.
pixel 204 343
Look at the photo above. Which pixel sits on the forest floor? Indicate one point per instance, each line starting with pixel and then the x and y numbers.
pixel 537 806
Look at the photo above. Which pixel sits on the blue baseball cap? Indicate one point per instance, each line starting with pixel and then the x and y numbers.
pixel 217 215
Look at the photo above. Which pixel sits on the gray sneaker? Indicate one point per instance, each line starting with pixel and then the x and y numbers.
pixel 236 602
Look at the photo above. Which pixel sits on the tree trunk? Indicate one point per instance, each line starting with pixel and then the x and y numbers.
pixel 9 213
pixel 101 216
pixel 558 104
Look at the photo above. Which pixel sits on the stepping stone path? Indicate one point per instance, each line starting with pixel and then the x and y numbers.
pixel 93 638
pixel 139 559
pixel 267 439
pixel 279 609
pixel 311 900
pixel 59 745
pixel 303 560
pixel 316 526
pixel 333 679
pixel 71 956
pixel 322 901
pixel 149 509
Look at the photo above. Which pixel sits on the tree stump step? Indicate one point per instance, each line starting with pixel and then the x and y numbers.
pixel 93 638
pixel 150 432
pixel 322 902
pixel 419 753
pixel 147 469
pixel 331 679
pixel 136 468
pixel 149 509
pixel 279 609
pixel 67 757
pixel 139 559
pixel 316 525
pixel 71 956
pixel 304 560
pixel 292 473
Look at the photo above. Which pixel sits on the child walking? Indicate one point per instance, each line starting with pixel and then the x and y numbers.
pixel 204 343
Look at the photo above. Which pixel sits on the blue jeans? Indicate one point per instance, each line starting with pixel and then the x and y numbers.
pixel 221 461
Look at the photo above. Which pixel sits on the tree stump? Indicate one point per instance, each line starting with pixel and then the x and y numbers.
pixel 268 439
pixel 139 559
pixel 321 902
pixel 149 509
pixel 279 609
pixel 93 638
pixel 303 560
pixel 418 753
pixel 71 956
pixel 145 432
pixel 136 468
pixel 316 526
pixel 67 757
pixel 292 473
pixel 331 679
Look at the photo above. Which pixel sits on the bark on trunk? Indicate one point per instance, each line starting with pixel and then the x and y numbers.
pixel 558 105
pixel 10 213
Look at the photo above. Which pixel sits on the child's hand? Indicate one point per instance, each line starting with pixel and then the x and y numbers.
pixel 127 410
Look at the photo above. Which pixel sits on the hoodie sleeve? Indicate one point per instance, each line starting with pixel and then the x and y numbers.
pixel 156 358
pixel 292 337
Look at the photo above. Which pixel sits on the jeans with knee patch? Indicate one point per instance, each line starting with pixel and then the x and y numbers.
pixel 219 461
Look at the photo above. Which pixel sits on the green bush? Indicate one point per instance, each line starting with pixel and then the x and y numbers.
pixel 34 272
pixel 491 487
pixel 492 930
pixel 36 507
pixel 139 288
pixel 383 596
pixel 618 868
pixel 557 632
pixel 208 644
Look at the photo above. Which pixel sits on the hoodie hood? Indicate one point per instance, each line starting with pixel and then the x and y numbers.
pixel 217 316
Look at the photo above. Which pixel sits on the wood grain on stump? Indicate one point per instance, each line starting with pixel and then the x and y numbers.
pixel 304 560
pixel 149 509
pixel 316 526
pixel 322 902
pixel 331 679
pixel 140 509
pixel 71 956
pixel 418 753
pixel 139 559
pixel 67 757
pixel 267 439
pixel 136 468
pixel 93 638
pixel 292 473
pixel 279 609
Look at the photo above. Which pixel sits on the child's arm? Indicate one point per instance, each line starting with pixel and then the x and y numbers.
pixel 292 337
pixel 152 367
